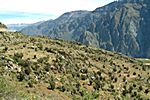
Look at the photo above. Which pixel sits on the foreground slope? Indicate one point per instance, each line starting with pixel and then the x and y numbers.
pixel 42 68
pixel 121 26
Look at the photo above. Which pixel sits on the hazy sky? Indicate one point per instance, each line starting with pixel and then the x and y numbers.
pixel 29 11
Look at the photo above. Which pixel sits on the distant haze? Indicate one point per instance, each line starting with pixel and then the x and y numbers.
pixel 30 11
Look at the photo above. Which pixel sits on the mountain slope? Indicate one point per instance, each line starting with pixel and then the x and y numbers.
pixel 40 68
pixel 120 26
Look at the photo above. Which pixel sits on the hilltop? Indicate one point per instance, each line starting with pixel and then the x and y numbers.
pixel 43 68
pixel 3 27
pixel 121 26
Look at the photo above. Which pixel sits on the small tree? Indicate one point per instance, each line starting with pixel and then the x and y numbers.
pixel 51 83
pixel 146 91
pixel 5 49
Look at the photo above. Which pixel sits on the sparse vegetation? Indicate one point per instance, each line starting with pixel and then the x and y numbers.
pixel 68 70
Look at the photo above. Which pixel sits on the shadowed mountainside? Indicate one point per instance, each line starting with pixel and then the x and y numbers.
pixel 121 26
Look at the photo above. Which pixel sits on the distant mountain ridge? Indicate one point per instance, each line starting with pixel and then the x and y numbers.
pixel 17 27
pixel 121 26
pixel 20 26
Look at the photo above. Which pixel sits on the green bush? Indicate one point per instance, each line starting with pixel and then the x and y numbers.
pixel 146 91
pixel 84 70
pixel 5 49
pixel 61 88
pixel 24 63
pixel 51 85
pixel 18 55
pixel 21 76
pixel 30 84
pixel 83 77
pixel 34 57
pixel 43 60
pixel 40 46
pixel 27 70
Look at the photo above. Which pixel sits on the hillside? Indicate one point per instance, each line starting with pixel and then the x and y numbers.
pixel 2 25
pixel 121 26
pixel 40 68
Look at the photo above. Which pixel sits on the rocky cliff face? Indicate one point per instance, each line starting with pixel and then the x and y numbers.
pixel 121 26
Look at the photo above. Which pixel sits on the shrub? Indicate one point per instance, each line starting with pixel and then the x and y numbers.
pixel 27 70
pixel 115 80
pixel 114 69
pixel 134 73
pixel 24 63
pixel 130 89
pixel 134 85
pixel 62 80
pixel 146 91
pixel 124 92
pixel 83 77
pixel 51 85
pixel 134 94
pixel 43 60
pixel 30 84
pixel 78 86
pixel 124 79
pixel 47 68
pixel 18 58
pixel 84 70
pixel 50 50
pixel 99 73
pixel 21 76
pixel 40 46
pixel 97 85
pixel 18 55
pixel 24 45
pixel 140 88
pixel 103 66
pixel 5 49
pixel 61 88
pixel 112 86
pixel 34 57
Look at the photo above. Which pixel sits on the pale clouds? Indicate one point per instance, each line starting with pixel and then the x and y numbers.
pixel 52 7
pixel 55 7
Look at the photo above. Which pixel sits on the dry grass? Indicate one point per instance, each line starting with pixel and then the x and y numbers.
pixel 73 66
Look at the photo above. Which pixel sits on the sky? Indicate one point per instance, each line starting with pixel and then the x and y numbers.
pixel 31 11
